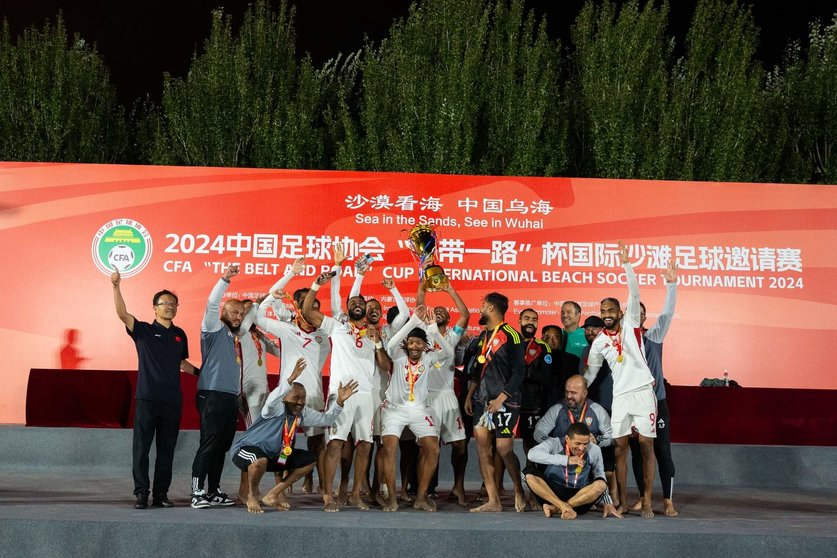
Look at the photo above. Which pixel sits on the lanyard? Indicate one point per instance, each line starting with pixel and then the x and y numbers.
pixel 616 339
pixel 581 416
pixel 482 359
pixel 288 435
pixel 412 377
pixel 578 468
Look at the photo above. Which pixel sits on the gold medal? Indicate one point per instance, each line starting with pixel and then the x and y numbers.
pixel 412 397
pixel 260 362
pixel 238 360
pixel 481 359
pixel 619 358
pixel 287 450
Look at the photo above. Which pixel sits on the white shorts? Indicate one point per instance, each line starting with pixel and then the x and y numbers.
pixel 356 418
pixel 635 410
pixel 377 400
pixel 445 406
pixel 317 404
pixel 418 419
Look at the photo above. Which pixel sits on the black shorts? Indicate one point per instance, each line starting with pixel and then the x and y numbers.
pixel 528 421
pixel 505 422
pixel 247 455
pixel 609 458
pixel 564 493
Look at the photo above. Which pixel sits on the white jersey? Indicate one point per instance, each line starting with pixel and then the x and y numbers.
pixel 443 381
pixel 631 372
pixel 352 355
pixel 405 372
pixel 312 346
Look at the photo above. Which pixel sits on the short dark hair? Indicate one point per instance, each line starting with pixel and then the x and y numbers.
pixel 576 305
pixel 546 328
pixel 527 310
pixel 643 306
pixel 157 296
pixel 392 313
pixel 613 300
pixel 500 302
pixel 300 294
pixel 350 297
pixel 578 429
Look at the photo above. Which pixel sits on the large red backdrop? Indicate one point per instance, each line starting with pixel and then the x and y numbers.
pixel 757 261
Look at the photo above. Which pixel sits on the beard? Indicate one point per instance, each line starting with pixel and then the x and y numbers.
pixel 357 313
pixel 483 319
pixel 528 331
pixel 233 328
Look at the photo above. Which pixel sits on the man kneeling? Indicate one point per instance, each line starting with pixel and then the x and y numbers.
pixel 268 445
pixel 573 478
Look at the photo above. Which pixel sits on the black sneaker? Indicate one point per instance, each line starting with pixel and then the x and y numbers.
pixel 220 499
pixel 161 502
pixel 199 500
pixel 141 502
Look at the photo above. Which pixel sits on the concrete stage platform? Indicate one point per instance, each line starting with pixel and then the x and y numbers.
pixel 67 492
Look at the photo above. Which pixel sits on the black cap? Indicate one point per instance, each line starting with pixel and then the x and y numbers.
pixel 593 321
pixel 419 333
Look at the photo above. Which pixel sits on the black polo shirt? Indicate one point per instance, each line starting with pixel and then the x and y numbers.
pixel 159 351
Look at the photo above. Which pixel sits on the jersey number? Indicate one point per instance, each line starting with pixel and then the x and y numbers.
pixel 430 422
pixel 501 422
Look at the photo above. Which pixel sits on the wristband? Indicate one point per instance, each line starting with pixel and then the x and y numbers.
pixel 315 287
pixel 379 345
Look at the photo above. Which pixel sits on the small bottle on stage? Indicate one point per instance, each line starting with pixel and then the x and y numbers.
pixel 726 378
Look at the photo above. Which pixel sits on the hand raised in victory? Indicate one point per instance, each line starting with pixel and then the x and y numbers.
pixel 344 392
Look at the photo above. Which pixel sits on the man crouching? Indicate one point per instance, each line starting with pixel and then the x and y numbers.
pixel 573 479
pixel 268 445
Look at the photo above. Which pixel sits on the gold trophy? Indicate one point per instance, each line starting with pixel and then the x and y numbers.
pixel 422 245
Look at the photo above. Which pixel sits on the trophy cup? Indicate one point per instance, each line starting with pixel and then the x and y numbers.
pixel 421 242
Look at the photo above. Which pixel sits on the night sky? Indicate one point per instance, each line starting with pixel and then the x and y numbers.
pixel 141 39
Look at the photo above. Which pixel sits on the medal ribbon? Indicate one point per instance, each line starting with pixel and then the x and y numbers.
pixel 412 377
pixel 288 435
pixel 529 357
pixel 616 339
pixel 238 361
pixel 580 417
pixel 483 359
pixel 258 346
pixel 578 468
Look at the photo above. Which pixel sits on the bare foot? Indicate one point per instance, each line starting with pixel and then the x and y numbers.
pixel 342 496
pixel 330 505
pixel 358 501
pixel 276 500
pixel 253 504
pixel 568 513
pixel 670 511
pixel 243 495
pixel 637 506
pixel 519 502
pixel 549 510
pixel 488 507
pixel 406 498
pixel 308 484
pixel 458 496
pixel 425 504
pixel 647 512
pixel 622 510
pixel 386 504
pixel 533 503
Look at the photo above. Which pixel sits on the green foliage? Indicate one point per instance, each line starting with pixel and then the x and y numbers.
pixel 56 100
pixel 460 86
pixel 246 101
pixel 715 121
pixel 618 86
pixel 804 94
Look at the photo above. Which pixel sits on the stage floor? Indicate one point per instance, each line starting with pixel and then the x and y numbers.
pixel 47 514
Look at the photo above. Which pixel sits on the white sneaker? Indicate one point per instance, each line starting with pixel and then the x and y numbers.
pixel 220 499
pixel 199 500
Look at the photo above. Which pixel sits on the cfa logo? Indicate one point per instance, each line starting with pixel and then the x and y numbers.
pixel 122 244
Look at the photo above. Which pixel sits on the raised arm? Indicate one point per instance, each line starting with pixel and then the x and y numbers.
pixel 311 314
pixel 337 310
pixel 119 303
pixel 274 297
pixel 274 406
pixel 401 333
pixel 461 307
pixel 632 309
pixel 434 333
pixel 212 316
pixel 657 332
pixel 403 309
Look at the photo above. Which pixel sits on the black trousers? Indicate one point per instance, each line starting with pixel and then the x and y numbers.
pixel 154 419
pixel 662 451
pixel 219 417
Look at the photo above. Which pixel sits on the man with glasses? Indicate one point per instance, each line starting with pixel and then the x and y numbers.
pixel 162 351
